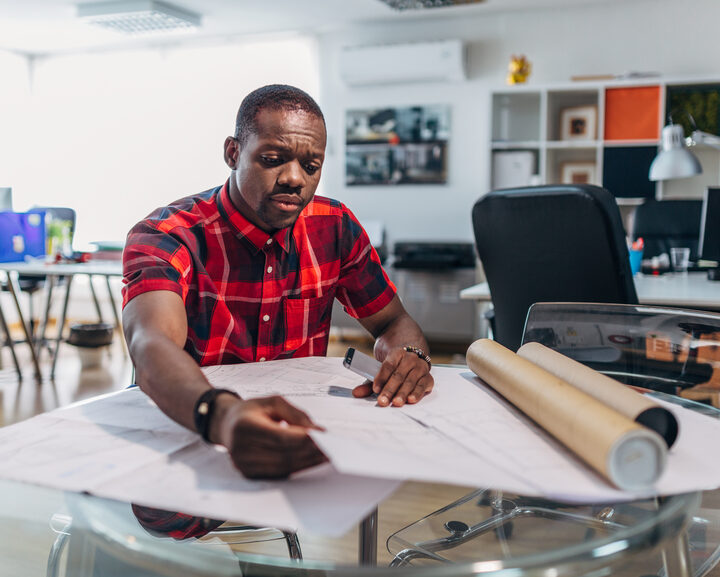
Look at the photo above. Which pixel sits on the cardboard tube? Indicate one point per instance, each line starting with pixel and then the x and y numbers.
pixel 630 456
pixel 614 394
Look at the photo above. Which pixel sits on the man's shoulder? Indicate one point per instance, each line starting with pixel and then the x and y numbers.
pixel 186 212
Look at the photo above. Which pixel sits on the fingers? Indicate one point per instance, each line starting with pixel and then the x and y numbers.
pixel 269 439
pixel 403 378
pixel 280 410
pixel 364 390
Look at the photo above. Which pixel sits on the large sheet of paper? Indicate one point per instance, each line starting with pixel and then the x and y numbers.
pixel 463 434
pixel 122 446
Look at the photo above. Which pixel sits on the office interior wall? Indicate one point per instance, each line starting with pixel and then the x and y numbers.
pixel 117 134
pixel 672 37
pixel 15 115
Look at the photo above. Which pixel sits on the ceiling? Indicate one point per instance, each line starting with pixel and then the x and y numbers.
pixel 39 27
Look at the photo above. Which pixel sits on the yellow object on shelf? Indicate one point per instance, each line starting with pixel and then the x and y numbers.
pixel 518 70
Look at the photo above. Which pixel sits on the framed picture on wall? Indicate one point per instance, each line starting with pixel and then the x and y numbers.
pixel 578 173
pixel 578 123
pixel 397 145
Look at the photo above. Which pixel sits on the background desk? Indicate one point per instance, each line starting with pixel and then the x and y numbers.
pixel 54 271
pixel 693 290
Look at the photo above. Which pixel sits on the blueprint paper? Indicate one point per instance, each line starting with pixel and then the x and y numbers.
pixel 122 446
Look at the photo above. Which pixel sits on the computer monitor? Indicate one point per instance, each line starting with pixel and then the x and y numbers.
pixel 5 198
pixel 709 245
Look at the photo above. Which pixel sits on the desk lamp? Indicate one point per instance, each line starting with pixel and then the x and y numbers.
pixel 674 160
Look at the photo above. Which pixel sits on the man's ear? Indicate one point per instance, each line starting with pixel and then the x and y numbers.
pixel 232 151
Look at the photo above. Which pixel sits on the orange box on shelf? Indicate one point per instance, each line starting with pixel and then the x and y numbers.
pixel 632 113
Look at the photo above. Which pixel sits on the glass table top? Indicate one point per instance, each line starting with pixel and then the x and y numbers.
pixel 422 529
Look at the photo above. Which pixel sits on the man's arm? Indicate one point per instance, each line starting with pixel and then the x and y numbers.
pixel 404 377
pixel 265 437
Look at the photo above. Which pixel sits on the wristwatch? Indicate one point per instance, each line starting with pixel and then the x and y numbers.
pixel 204 408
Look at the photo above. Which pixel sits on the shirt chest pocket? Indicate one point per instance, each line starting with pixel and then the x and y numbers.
pixel 306 319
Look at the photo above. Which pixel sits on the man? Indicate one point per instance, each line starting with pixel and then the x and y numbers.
pixel 247 272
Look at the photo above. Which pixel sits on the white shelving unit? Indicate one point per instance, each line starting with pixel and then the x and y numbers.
pixel 526 123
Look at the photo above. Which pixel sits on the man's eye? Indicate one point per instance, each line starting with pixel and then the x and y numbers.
pixel 311 168
pixel 271 160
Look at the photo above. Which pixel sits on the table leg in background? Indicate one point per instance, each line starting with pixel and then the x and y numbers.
pixel 95 299
pixel 9 340
pixel 28 336
pixel 51 282
pixel 367 546
pixel 61 325
pixel 118 323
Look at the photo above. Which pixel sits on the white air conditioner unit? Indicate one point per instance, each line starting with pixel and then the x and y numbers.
pixel 399 63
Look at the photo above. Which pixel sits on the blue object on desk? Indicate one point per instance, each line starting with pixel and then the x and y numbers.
pixel 635 260
pixel 21 234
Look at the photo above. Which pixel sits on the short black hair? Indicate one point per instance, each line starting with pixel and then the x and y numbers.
pixel 274 97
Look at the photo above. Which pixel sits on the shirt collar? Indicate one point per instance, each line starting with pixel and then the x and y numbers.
pixel 246 229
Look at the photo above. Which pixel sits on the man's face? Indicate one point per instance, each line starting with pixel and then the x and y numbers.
pixel 276 172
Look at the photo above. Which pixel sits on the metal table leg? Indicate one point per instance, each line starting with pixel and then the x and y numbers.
pixel 50 285
pixel 367 546
pixel 61 325
pixel 28 336
pixel 676 557
pixel 118 323
pixel 95 298
pixel 9 340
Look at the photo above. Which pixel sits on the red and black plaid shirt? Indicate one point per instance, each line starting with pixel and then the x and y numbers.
pixel 250 296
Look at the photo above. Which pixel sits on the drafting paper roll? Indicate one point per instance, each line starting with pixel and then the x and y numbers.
pixel 630 456
pixel 623 399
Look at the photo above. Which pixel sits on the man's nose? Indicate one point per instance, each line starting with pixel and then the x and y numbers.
pixel 292 175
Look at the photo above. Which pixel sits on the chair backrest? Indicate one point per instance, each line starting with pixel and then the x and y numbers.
pixel 550 243
pixel 664 224
pixel 59 213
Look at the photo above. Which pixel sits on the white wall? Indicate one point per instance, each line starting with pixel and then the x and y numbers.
pixel 673 37
pixel 117 134
pixel 14 115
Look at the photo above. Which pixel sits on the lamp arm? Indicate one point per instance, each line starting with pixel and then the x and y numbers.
pixel 705 138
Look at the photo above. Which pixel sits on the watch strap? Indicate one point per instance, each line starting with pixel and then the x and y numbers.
pixel 204 408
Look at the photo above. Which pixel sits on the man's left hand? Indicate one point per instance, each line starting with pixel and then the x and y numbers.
pixel 403 378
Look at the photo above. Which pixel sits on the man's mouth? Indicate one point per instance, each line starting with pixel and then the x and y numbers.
pixel 286 202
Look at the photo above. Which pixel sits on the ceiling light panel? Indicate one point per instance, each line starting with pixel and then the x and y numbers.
pixel 417 4
pixel 139 17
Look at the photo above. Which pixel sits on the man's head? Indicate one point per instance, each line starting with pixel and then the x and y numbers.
pixel 276 155
pixel 271 97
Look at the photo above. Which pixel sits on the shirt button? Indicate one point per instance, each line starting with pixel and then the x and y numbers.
pixel 269 269
pixel 261 359
pixel 269 241
pixel 266 318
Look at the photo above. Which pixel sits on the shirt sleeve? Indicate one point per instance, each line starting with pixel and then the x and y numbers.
pixel 364 288
pixel 154 260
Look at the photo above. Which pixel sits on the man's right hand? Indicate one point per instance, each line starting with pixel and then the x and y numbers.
pixel 266 437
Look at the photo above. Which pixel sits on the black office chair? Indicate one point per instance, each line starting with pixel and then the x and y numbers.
pixel 664 224
pixel 550 243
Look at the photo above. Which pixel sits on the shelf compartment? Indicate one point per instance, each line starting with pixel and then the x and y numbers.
pixel 572 166
pixel 558 101
pixel 625 171
pixel 632 113
pixel 516 117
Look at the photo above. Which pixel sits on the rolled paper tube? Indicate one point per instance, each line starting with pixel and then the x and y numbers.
pixel 623 399
pixel 629 455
